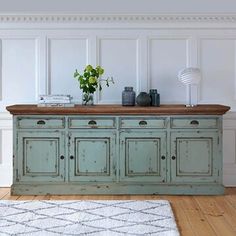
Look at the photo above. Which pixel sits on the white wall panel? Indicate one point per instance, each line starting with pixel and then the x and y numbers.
pixel 229 161
pixel 166 58
pixel 119 58
pixel 39 53
pixel 229 146
pixel 229 150
pixel 6 153
pixel 217 62
pixel 0 69
pixel 66 55
pixel 6 169
pixel 1 157
pixel 19 70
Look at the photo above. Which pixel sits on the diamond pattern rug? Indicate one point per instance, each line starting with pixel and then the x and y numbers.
pixel 90 218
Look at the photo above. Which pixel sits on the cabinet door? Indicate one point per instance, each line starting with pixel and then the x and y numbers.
pixel 143 156
pixel 40 156
pixel 92 156
pixel 194 157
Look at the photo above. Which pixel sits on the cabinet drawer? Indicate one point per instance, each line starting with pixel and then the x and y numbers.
pixel 210 123
pixel 142 122
pixel 41 123
pixel 92 122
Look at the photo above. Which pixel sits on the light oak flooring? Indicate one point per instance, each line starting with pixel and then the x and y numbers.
pixel 195 215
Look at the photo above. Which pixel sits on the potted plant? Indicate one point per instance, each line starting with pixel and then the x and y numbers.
pixel 89 81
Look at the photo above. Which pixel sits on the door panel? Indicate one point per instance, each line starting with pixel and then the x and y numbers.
pixel 140 160
pixel 143 156
pixel 98 152
pixel 93 156
pixel 194 156
pixel 41 156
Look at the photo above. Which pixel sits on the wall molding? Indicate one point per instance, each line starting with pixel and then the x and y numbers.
pixel 136 41
pixel 5 116
pixel 5 122
pixel 120 18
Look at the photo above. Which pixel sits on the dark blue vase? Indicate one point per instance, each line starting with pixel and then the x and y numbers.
pixel 128 97
pixel 155 98
pixel 143 99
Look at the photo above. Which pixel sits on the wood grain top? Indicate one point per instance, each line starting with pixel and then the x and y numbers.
pixel 111 109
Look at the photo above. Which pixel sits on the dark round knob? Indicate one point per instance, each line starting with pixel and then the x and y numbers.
pixel 173 157
pixel 62 157
pixel 71 157
pixel 163 157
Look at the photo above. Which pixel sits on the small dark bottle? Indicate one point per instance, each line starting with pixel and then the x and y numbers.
pixel 128 97
pixel 155 97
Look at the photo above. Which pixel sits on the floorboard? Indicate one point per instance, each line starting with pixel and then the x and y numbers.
pixel 214 215
pixel 195 215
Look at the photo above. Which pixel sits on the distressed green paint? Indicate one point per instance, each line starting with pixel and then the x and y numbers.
pixel 196 156
pixel 90 122
pixel 98 152
pixel 117 154
pixel 118 188
pixel 143 122
pixel 41 123
pixel 142 161
pixel 93 156
pixel 140 156
pixel 199 123
pixel 39 156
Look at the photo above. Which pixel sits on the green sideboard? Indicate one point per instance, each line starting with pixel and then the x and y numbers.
pixel 112 149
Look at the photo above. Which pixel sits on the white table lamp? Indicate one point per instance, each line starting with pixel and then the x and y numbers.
pixel 190 77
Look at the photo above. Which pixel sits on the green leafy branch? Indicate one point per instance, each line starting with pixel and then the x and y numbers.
pixel 90 79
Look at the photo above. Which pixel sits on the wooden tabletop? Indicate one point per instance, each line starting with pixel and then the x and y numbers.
pixel 112 109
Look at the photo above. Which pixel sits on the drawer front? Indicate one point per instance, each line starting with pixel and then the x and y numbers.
pixel 142 122
pixel 92 122
pixel 194 123
pixel 41 123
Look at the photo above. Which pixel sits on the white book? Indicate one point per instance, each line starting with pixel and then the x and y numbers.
pixel 56 105
pixel 54 101
pixel 55 97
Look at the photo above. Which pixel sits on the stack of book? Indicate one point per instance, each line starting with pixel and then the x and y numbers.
pixel 57 100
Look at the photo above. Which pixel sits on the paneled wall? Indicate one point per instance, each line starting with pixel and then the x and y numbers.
pixel 39 54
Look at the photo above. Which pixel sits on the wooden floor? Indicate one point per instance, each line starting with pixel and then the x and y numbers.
pixel 195 215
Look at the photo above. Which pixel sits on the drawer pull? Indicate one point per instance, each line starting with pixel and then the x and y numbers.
pixel 71 157
pixel 142 122
pixel 62 157
pixel 92 122
pixel 173 157
pixel 194 122
pixel 41 122
pixel 163 157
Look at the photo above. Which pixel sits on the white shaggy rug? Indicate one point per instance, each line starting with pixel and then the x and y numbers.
pixel 90 218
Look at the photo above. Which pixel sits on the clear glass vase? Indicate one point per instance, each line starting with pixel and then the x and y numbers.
pixel 87 99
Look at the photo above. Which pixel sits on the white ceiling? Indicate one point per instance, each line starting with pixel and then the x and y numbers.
pixel 119 6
